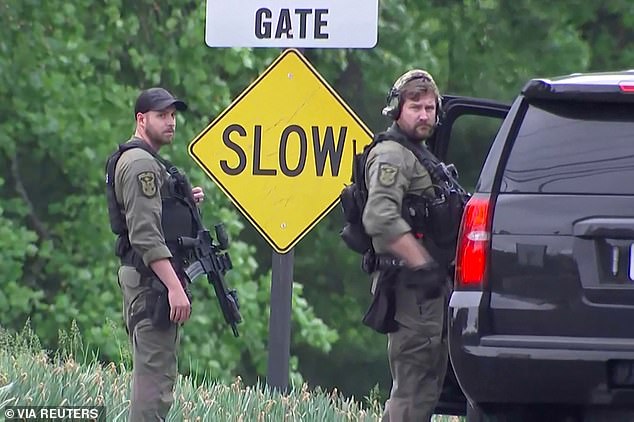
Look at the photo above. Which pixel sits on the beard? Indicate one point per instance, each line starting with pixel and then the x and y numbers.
pixel 421 132
pixel 159 138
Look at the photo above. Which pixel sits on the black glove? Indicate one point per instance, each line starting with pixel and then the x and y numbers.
pixel 428 281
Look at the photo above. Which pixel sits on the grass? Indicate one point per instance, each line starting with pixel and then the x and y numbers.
pixel 30 376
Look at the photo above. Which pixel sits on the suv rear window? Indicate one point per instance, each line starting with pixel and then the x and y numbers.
pixel 573 147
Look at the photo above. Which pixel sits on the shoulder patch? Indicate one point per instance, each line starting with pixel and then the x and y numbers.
pixel 147 183
pixel 387 174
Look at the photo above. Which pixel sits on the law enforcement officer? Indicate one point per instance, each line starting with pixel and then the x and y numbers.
pixel 416 348
pixel 146 214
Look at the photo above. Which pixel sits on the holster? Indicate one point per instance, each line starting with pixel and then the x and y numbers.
pixel 380 314
pixel 158 306
pixel 159 311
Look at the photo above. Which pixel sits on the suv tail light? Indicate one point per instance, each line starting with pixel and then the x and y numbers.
pixel 627 87
pixel 473 243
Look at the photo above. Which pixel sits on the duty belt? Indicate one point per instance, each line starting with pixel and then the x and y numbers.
pixel 386 261
pixel 380 262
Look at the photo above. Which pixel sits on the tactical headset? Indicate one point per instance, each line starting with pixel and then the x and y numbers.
pixel 393 100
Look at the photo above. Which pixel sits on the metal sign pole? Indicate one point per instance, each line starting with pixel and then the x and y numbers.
pixel 279 346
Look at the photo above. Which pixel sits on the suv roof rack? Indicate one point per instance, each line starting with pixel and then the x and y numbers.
pixel 607 86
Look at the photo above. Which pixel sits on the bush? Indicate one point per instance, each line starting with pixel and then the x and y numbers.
pixel 31 376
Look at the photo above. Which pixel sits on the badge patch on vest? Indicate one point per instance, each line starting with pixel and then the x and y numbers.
pixel 387 174
pixel 147 183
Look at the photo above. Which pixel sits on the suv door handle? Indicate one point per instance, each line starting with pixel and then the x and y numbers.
pixel 613 228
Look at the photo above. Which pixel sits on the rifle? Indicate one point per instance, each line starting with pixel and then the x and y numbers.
pixel 213 260
pixel 449 174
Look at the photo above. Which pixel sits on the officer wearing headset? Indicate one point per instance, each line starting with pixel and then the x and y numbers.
pixel 417 350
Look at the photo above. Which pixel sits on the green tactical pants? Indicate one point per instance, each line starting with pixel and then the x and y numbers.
pixel 418 357
pixel 154 354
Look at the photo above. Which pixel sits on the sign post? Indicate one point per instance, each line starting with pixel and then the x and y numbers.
pixel 280 320
pixel 282 151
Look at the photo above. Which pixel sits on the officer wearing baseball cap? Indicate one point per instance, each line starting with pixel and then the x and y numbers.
pixel 411 275
pixel 155 99
pixel 150 205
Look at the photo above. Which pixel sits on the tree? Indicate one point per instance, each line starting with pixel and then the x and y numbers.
pixel 70 76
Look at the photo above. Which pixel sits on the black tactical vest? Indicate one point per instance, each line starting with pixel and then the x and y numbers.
pixel 179 215
pixel 353 198
pixel 435 220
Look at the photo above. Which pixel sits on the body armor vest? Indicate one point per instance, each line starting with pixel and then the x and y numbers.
pixel 179 214
pixel 354 196
pixel 435 219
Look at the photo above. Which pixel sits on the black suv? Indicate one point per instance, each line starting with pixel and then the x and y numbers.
pixel 541 319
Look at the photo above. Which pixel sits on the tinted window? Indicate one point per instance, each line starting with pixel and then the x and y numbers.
pixel 471 138
pixel 565 147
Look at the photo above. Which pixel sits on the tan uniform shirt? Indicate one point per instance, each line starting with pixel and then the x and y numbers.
pixel 138 179
pixel 391 172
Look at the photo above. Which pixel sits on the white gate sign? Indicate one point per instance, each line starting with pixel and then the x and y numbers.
pixel 292 23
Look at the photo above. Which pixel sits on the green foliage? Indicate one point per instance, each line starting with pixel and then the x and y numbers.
pixel 72 74
pixel 69 73
pixel 30 376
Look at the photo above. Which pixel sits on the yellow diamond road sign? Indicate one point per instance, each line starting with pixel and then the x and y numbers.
pixel 282 151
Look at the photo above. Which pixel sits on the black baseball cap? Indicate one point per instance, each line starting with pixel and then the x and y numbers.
pixel 157 99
